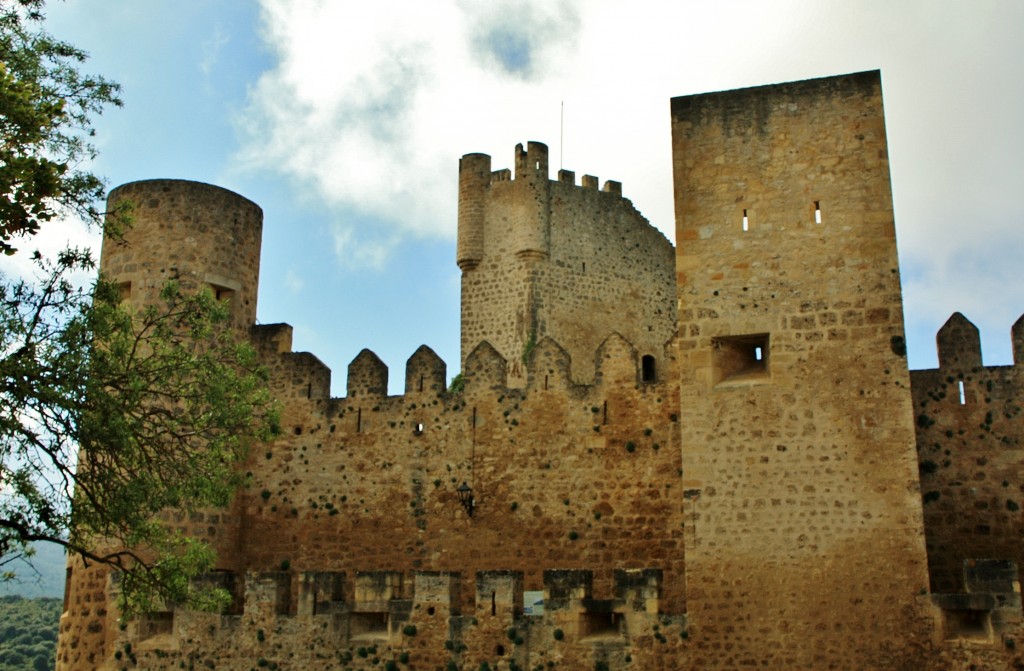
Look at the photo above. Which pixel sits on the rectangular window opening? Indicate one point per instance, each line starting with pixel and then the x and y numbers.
pixel 971 625
pixel 153 624
pixel 817 212
pixel 648 369
pixel 746 221
pixel 222 293
pixel 124 292
pixel 740 359
pixel 598 624
pixel 963 395
pixel 368 626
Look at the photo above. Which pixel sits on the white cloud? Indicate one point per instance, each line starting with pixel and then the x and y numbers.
pixel 53 238
pixel 371 104
pixel 293 281
pixel 212 48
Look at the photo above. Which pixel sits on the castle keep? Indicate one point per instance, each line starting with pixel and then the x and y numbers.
pixel 711 456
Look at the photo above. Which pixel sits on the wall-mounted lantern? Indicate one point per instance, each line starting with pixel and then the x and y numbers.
pixel 465 493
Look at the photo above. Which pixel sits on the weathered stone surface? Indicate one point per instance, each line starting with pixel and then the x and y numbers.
pixel 714 469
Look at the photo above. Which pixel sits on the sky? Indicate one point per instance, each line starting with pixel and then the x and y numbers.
pixel 345 122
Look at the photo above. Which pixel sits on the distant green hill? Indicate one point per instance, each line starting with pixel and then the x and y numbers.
pixel 28 633
pixel 44 578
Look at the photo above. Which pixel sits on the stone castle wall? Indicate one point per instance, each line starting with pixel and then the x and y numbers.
pixel 723 477
pixel 970 445
pixel 543 258
pixel 797 429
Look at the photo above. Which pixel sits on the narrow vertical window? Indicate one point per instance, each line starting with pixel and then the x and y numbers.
pixel 817 212
pixel 963 396
pixel 67 588
pixel 648 372
pixel 359 420
pixel 746 221
pixel 757 354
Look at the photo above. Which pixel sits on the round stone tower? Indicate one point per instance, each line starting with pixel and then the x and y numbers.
pixel 198 234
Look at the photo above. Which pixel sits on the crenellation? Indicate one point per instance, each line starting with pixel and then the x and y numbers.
pixel 425 373
pixel 959 344
pixel 367 376
pixel 710 456
pixel 272 338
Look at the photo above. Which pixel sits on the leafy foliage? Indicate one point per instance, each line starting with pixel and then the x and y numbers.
pixel 28 633
pixel 125 415
pixel 46 106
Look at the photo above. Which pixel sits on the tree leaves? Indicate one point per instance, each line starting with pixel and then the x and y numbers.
pixel 110 418
pixel 46 110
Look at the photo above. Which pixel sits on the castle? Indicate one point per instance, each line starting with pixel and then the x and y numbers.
pixel 711 456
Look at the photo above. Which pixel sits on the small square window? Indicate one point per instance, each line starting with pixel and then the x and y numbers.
pixel 740 359
pixel 222 293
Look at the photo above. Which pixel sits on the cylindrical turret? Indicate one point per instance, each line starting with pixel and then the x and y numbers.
pixel 474 177
pixel 531 217
pixel 198 234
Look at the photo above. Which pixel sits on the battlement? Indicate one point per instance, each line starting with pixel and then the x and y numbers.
pixel 548 366
pixel 530 163
pixel 959 343
pixel 552 258
pixel 968 419
pixel 392 609
pixel 644 438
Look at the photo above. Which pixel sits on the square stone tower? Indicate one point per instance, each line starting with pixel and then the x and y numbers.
pixel 804 529
pixel 545 258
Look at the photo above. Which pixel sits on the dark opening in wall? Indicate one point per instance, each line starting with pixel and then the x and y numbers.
pixel 418 429
pixel 648 370
pixel 368 626
pixel 67 588
pixel 746 221
pixel 222 293
pixel 124 291
pixel 817 212
pixel 600 624
pixel 974 625
pixel 156 624
pixel 963 395
pixel 283 604
pixel 328 590
pixel 741 358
